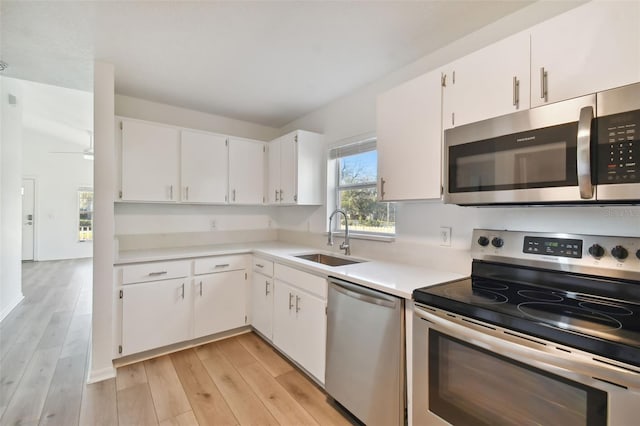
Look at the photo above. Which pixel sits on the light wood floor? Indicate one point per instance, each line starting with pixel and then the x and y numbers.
pixel 44 346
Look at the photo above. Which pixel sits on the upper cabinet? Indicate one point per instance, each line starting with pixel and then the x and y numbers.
pixel 295 169
pixel 246 171
pixel 487 83
pixel 590 48
pixel 409 140
pixel 204 167
pixel 150 169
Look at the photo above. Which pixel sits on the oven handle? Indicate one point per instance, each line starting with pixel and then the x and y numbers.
pixel 584 153
pixel 576 366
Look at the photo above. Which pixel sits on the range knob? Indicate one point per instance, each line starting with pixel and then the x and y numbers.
pixel 638 254
pixel 619 252
pixel 596 250
pixel 484 241
pixel 497 242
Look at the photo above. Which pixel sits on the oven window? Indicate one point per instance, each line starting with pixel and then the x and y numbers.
pixel 469 385
pixel 536 159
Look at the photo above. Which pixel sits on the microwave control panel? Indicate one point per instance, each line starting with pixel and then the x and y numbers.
pixel 619 148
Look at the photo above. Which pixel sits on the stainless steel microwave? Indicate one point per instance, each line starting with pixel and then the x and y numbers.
pixel 582 150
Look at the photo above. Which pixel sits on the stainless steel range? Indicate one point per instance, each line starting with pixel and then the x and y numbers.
pixel 546 331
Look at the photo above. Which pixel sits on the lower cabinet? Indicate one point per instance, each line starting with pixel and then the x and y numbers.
pixel 262 304
pixel 219 302
pixel 155 314
pixel 300 320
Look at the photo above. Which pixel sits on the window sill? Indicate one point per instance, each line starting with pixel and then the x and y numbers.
pixel 370 237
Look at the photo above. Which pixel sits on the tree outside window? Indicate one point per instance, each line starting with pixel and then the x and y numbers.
pixel 85 214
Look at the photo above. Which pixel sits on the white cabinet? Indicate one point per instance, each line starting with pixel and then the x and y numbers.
pixel 299 318
pixel 220 302
pixel 490 82
pixel 149 162
pixel 204 167
pixel 590 48
pixel 246 171
pixel 296 169
pixel 155 314
pixel 262 297
pixel 409 140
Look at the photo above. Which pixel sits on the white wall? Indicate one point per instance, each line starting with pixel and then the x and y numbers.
pixel 10 196
pixel 420 222
pixel 58 178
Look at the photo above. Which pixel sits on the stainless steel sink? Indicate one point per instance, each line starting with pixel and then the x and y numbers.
pixel 328 260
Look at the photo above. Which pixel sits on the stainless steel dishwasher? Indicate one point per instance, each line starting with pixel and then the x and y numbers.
pixel 365 353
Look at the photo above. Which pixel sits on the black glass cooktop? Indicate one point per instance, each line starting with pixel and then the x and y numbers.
pixel 569 311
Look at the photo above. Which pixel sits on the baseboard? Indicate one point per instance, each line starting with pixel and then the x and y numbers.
pixel 6 311
pixel 100 375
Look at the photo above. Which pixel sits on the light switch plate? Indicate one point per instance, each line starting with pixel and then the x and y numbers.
pixel 445 236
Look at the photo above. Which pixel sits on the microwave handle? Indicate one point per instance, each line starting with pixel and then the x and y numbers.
pixel 584 153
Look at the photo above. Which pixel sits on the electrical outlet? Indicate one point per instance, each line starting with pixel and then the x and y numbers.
pixel 213 224
pixel 445 236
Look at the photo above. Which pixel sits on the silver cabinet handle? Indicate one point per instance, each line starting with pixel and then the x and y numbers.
pixel 297 304
pixel 200 288
pixel 186 190
pixel 584 153
pixel 543 84
pixel 281 195
pixel 171 192
pixel 516 92
pixel 276 191
pixel 183 290
pixel 153 274
pixel 290 299
pixel 266 288
pixel 221 265
pixel 382 182
pixel 233 196
pixel 259 265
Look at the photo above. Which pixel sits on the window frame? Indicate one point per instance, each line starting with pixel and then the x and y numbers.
pixel 337 188
pixel 79 192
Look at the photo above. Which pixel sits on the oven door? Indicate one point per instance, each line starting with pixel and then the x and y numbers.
pixel 467 373
pixel 537 156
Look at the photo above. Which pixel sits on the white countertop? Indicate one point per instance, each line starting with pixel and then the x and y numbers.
pixel 392 278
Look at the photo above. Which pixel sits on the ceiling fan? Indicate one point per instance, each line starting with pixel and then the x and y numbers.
pixel 86 153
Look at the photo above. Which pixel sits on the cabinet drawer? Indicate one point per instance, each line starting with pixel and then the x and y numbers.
pixel 303 280
pixel 263 266
pixel 155 271
pixel 210 265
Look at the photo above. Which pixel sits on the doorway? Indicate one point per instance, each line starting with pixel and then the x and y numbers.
pixel 28 218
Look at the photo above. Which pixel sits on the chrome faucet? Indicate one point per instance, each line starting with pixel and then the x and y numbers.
pixel 345 245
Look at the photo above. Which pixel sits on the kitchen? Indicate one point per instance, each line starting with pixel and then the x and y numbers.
pixel 418 223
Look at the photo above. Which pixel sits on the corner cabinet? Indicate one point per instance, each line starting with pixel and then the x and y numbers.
pixel 300 318
pixel 247 160
pixel 296 169
pixel 150 170
pixel 591 48
pixel 409 140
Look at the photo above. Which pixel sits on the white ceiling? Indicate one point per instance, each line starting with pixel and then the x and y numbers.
pixel 267 62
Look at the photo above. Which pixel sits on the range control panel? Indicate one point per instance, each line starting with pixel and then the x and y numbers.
pixel 589 254
pixel 563 247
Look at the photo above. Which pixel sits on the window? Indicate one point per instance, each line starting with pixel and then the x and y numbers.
pixel 85 214
pixel 356 190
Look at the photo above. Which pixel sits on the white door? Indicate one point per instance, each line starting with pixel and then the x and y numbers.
pixel 28 218
pixel 246 171
pixel 204 165
pixel 284 319
pixel 262 304
pixel 220 302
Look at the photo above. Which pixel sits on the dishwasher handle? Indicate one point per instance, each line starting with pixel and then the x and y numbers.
pixel 364 294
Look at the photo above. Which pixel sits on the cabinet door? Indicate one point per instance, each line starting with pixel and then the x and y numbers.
pixel 409 140
pixel 246 171
pixel 155 314
pixel 273 190
pixel 204 167
pixel 262 304
pixel 220 302
pixel 288 169
pixel 311 333
pixel 150 162
pixel 488 83
pixel 587 49
pixel 284 326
